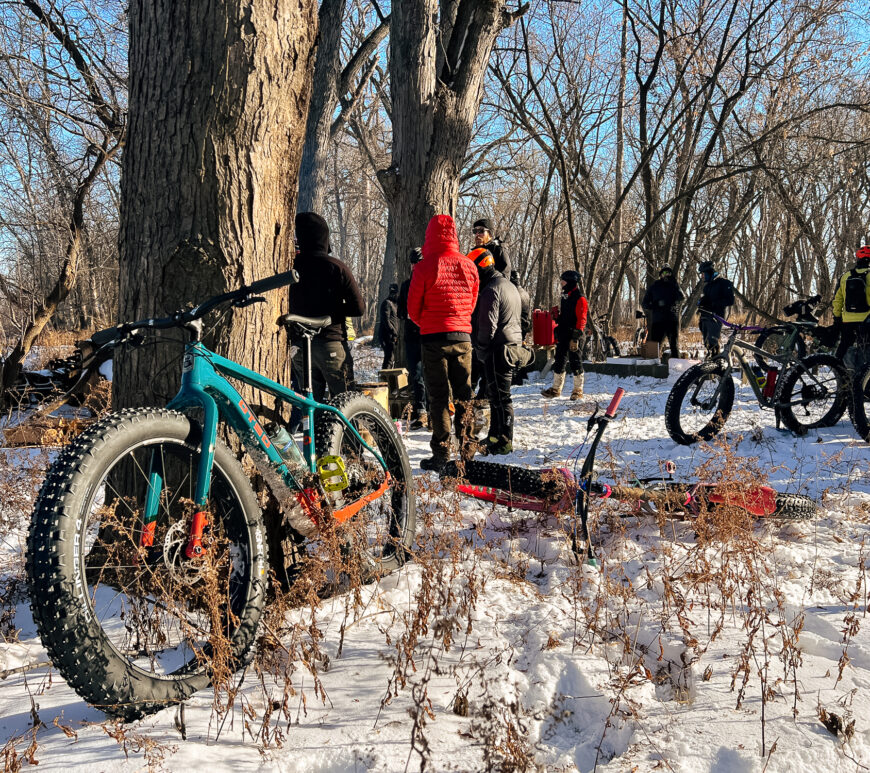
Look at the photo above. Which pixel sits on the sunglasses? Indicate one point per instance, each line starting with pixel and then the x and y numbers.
pixel 479 231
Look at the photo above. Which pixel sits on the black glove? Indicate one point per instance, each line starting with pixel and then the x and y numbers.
pixel 838 323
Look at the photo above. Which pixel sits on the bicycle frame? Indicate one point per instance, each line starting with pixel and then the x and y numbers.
pixel 740 347
pixel 204 385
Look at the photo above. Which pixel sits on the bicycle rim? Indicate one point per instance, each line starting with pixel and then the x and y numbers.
pixel 813 396
pixel 701 406
pixel 159 610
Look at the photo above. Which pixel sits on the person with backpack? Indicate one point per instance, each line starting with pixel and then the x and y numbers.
pixel 413 351
pixel 389 327
pixel 852 307
pixel 570 327
pixel 717 297
pixel 441 297
pixel 661 303
pixel 498 345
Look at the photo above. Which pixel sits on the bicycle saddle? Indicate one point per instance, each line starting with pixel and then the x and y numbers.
pixel 306 325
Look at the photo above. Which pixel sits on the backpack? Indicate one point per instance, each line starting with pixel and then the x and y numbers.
pixel 856 292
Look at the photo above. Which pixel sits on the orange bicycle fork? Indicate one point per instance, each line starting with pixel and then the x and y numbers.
pixel 156 481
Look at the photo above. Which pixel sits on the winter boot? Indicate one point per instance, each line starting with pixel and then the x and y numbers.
pixel 498 446
pixel 434 463
pixel 420 420
pixel 577 391
pixel 556 389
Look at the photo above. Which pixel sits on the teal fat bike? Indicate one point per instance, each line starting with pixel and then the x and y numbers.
pixel 147 552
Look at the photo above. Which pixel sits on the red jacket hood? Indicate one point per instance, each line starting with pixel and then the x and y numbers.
pixel 440 237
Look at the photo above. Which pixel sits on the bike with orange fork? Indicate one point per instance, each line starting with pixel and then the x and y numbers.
pixel 148 541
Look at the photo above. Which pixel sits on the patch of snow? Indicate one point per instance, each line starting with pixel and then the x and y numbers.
pixel 650 690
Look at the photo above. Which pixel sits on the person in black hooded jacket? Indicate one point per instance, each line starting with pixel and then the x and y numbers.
pixel 661 302
pixel 326 286
pixel 413 348
pixel 389 326
pixel 716 298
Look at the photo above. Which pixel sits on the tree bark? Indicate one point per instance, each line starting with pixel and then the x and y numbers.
pixel 324 98
pixel 436 70
pixel 332 83
pixel 218 97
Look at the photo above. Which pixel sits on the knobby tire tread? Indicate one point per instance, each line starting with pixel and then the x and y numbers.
pixel 76 644
pixel 541 484
pixel 328 433
pixel 795 507
pixel 858 405
pixel 788 381
pixel 678 394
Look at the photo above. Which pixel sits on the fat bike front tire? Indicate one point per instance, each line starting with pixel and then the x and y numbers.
pixel 135 629
pixel 693 412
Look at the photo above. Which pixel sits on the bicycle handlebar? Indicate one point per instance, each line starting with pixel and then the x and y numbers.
pixel 614 403
pixel 273 282
pixel 184 316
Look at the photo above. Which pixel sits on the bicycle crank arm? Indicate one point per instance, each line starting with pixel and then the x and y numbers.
pixel 343 514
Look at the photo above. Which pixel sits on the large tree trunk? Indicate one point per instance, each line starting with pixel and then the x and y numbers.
pixel 436 86
pixel 218 99
pixel 324 98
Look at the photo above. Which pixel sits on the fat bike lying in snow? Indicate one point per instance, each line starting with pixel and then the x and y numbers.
pixel 560 491
pixel 147 551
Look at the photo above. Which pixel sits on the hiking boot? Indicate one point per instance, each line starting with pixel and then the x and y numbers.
pixel 556 389
pixel 577 391
pixel 469 449
pixel 433 464
pixel 496 447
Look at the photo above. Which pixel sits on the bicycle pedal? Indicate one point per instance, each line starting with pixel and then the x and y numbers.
pixel 332 472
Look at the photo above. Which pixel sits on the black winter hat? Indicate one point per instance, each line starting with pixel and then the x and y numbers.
pixel 666 270
pixel 415 255
pixel 705 267
pixel 571 277
pixel 484 222
pixel 312 233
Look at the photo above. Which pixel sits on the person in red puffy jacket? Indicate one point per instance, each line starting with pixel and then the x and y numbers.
pixel 441 298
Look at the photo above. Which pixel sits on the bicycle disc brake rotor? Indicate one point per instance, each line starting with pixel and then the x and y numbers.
pixel 181 568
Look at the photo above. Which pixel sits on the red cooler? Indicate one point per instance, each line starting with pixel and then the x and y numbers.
pixel 543 328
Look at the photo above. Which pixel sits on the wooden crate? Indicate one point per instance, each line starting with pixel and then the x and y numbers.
pixel 649 350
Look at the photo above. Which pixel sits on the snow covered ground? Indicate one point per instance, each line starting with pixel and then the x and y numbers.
pixel 679 653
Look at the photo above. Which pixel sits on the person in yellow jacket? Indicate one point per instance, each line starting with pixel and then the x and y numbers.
pixel 852 304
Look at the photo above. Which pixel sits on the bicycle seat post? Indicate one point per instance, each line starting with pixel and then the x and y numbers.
pixel 306 366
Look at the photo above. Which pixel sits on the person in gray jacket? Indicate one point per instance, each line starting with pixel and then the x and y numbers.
pixel 498 346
